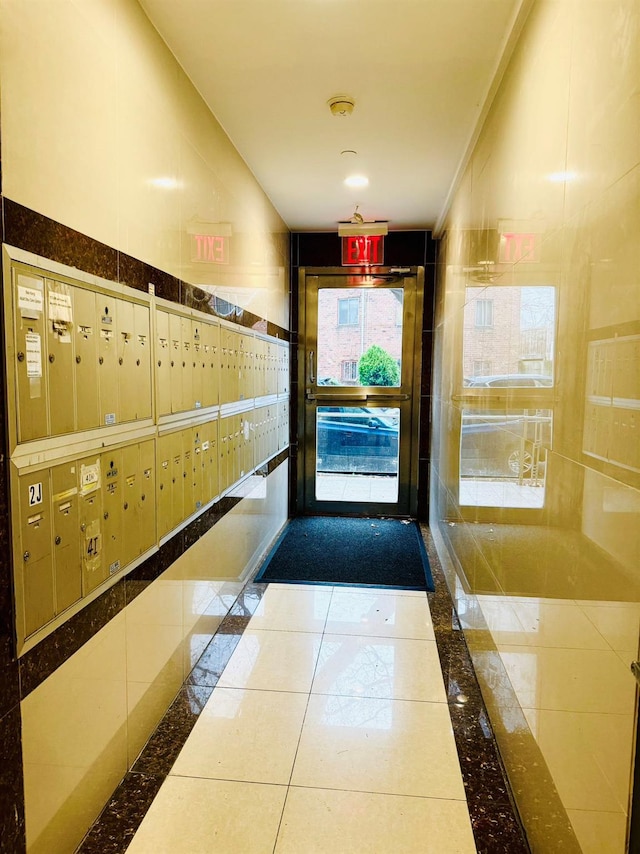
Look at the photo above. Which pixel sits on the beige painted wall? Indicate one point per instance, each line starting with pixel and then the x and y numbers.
pixel 103 132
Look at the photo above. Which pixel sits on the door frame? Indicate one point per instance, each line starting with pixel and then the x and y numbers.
pixel 411 435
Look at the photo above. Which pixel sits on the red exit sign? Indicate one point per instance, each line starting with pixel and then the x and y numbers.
pixel 210 248
pixel 362 250
pixel 519 247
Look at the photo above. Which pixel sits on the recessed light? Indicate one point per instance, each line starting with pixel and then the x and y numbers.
pixel 165 183
pixel 356 181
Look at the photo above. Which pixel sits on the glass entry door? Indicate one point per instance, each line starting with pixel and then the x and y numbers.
pixel 359 423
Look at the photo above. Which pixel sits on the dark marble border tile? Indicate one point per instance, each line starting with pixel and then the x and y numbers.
pixel 12 806
pixel 43 236
pixel 494 818
pixel 114 829
pixel 118 822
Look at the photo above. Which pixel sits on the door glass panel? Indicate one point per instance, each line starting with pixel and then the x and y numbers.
pixel 359 336
pixel 503 457
pixel 357 453
pixel 509 337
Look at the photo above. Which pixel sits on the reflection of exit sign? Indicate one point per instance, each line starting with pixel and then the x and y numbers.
pixel 516 247
pixel 210 248
pixel 362 249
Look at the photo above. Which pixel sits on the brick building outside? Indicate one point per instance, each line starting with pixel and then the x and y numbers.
pixel 349 322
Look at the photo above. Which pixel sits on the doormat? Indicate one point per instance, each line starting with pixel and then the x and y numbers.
pixel 340 550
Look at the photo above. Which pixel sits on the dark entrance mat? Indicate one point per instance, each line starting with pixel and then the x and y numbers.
pixel 330 550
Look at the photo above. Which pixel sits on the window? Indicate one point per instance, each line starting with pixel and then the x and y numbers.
pixel 481 367
pixel 348 311
pixel 484 312
pixel 349 370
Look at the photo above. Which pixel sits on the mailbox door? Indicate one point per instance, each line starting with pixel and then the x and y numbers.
pixel 187 363
pixel 197 376
pixel 108 372
pixel 211 380
pixel 126 359
pixel 164 470
pixel 142 361
pixel 112 510
pixel 175 362
pixel 163 364
pixel 66 545
pixel 86 333
pixel 94 568
pixel 37 564
pixel 30 357
pixel 147 506
pixel 130 499
pixel 60 362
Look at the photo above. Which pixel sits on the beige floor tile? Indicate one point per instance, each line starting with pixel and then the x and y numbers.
pixel 292 610
pixel 557 626
pixel 318 821
pixel 569 679
pixel 599 832
pixel 619 626
pixel 373 614
pixel 273 660
pixel 195 816
pixel 386 746
pixel 366 591
pixel 394 668
pixel 575 747
pixel 244 735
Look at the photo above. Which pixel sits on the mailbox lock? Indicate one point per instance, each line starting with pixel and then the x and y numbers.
pixel 184 364
pixel 83 527
pixel 159 363
pixel 21 357
pixel 106 515
pixel 120 360
pixel 126 505
pixel 171 364
pixel 138 362
pixel 52 358
pixel 58 540
pixel 78 359
pixel 101 360
pixel 26 556
pixel 143 497
pixel 161 486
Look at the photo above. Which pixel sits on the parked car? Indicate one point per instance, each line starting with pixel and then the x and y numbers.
pixel 509 381
pixel 357 440
pixel 504 445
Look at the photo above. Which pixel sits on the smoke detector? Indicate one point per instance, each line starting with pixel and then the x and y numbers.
pixel 341 105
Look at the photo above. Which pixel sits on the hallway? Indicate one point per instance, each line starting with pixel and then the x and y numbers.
pixel 320 719
pixel 331 718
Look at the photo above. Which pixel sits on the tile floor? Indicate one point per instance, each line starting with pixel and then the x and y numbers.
pixel 328 731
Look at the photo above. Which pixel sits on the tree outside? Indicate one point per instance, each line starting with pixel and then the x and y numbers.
pixel 378 368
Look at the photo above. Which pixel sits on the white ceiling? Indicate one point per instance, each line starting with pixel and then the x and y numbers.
pixel 420 72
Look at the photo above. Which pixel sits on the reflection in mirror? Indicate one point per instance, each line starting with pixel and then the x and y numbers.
pixel 509 334
pixel 503 457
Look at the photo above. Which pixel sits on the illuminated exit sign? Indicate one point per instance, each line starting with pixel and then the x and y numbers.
pixel 515 247
pixel 210 248
pixel 362 250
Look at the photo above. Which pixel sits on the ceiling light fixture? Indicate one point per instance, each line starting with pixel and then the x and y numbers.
pixel 341 105
pixel 356 181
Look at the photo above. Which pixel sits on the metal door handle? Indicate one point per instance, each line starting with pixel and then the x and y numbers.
pixel 635 669
pixel 312 376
